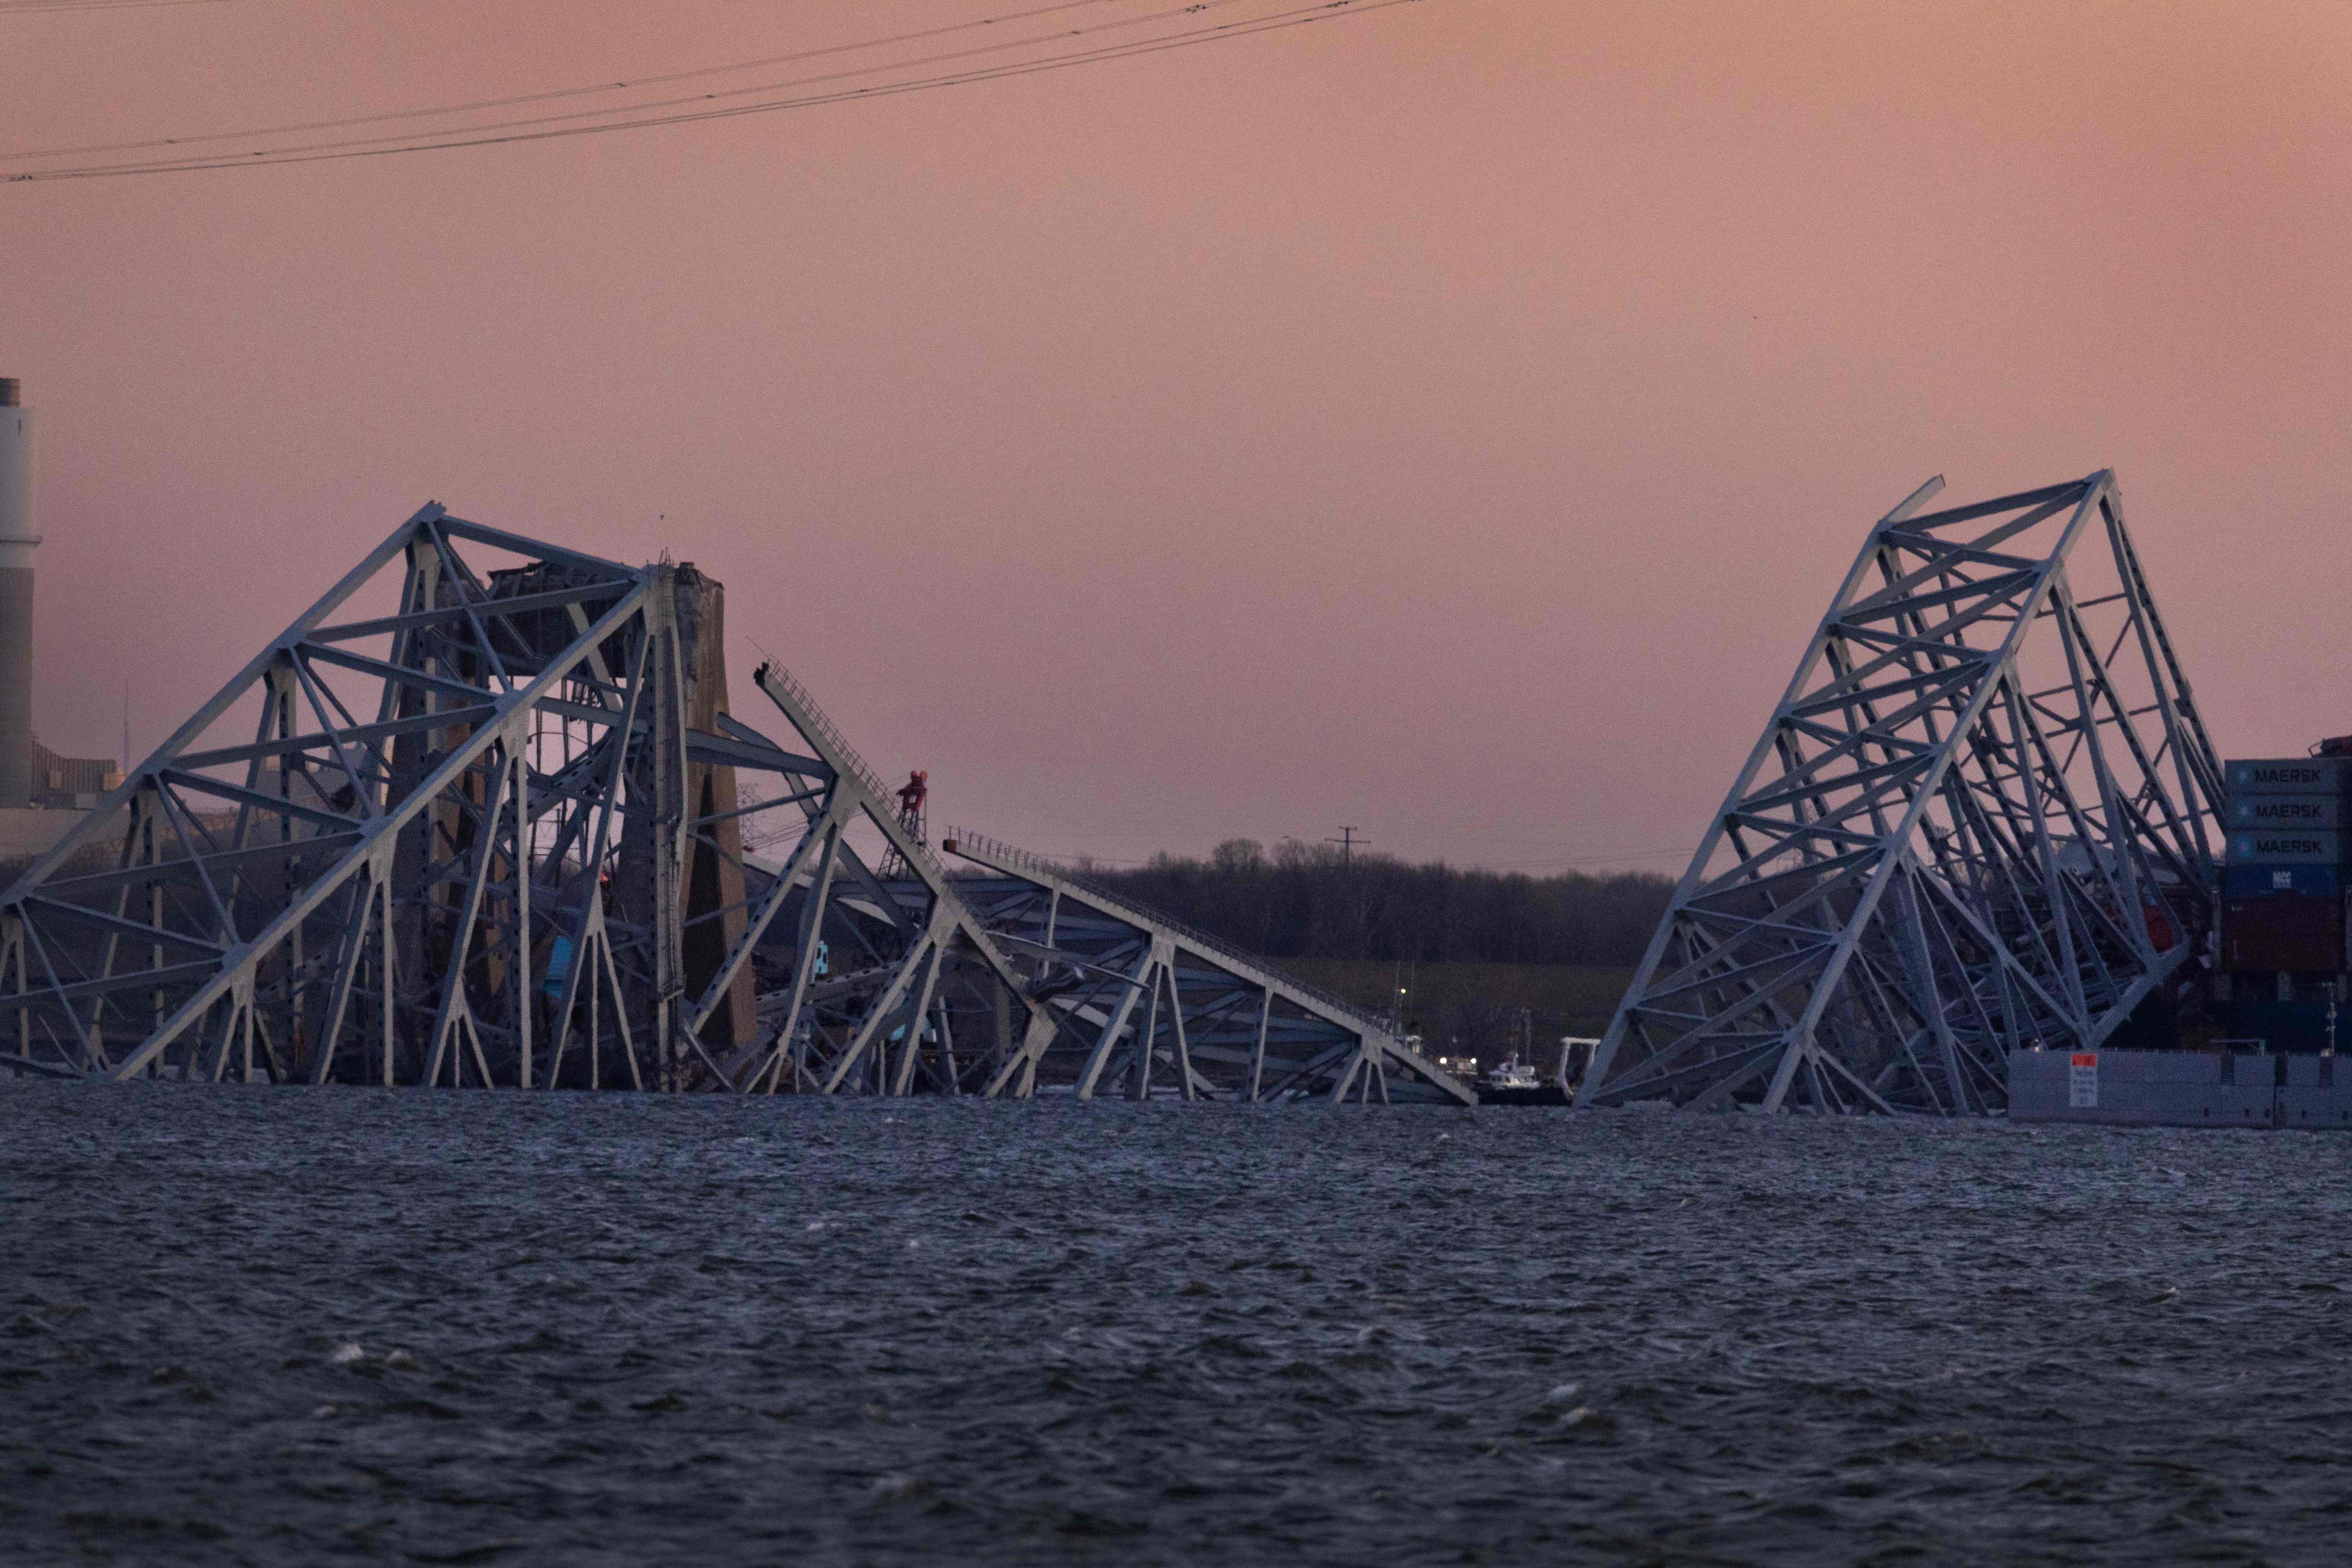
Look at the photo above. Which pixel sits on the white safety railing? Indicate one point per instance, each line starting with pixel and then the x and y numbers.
pixel 828 738
pixel 827 731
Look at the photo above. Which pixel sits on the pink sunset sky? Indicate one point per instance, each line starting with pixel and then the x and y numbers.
pixel 1449 420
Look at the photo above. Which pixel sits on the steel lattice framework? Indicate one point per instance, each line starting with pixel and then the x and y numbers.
pixel 871 967
pixel 473 840
pixel 480 819
pixel 494 837
pixel 1983 817
pixel 1142 997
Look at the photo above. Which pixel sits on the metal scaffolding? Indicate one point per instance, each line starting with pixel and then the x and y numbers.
pixel 1983 818
pixel 1149 1004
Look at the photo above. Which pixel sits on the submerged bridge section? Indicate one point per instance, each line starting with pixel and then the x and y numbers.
pixel 482 818
pixel 1981 820
pixel 1148 1005
pixel 477 818
pixel 471 820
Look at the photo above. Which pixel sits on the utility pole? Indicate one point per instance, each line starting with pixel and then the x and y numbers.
pixel 1347 841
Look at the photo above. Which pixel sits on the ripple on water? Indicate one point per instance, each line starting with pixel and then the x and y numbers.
pixel 291 1326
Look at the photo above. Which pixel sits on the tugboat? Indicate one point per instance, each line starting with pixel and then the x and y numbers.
pixel 1511 1073
pixel 1513 1080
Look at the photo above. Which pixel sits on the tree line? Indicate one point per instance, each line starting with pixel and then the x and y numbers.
pixel 1306 900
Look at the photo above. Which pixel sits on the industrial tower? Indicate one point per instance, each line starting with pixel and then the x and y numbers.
pixel 30 773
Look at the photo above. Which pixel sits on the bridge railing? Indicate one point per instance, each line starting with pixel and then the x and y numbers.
pixel 998 850
pixel 830 733
pixel 827 729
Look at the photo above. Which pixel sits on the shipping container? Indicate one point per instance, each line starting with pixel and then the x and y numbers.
pixel 2281 881
pixel 2299 1026
pixel 2289 775
pixel 2304 936
pixel 2280 846
pixel 2290 811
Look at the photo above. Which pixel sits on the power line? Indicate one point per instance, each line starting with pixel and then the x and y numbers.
pixel 550 95
pixel 823 77
pixel 511 131
pixel 35 6
pixel 519 129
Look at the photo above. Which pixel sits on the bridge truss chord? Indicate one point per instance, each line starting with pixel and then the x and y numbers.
pixel 1983 817
pixel 1148 1005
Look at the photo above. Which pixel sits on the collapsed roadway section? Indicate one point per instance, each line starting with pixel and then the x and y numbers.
pixel 482 817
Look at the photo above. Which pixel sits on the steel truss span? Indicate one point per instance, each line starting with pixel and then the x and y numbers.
pixel 440 831
pixel 1984 816
pixel 1147 1005
pixel 482 818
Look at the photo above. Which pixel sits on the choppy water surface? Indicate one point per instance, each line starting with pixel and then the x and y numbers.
pixel 633 1329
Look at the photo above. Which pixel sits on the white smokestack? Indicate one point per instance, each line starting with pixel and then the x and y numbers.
pixel 18 542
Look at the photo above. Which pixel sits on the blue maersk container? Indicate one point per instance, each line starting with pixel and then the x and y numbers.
pixel 2291 1025
pixel 2283 882
pixel 2288 775
pixel 2285 846
pixel 2286 811
pixel 2283 888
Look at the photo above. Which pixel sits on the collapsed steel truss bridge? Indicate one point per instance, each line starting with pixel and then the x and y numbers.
pixel 489 821
pixel 1139 993
pixel 1983 818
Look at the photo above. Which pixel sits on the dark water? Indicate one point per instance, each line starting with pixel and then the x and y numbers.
pixel 630 1330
